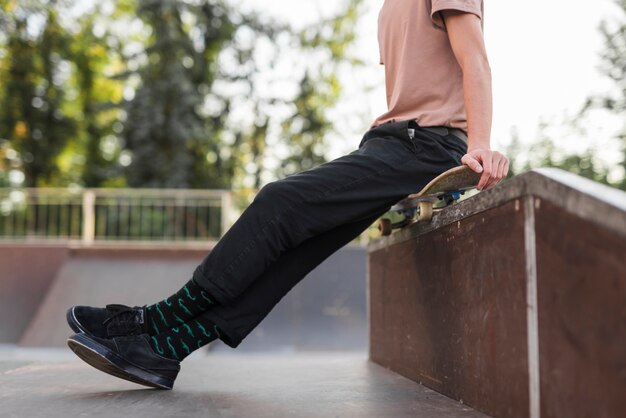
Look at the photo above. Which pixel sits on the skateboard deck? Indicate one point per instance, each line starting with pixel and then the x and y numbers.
pixel 446 188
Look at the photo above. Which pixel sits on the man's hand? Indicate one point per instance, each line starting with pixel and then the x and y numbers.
pixel 492 164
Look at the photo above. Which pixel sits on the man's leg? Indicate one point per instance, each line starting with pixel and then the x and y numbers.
pixel 387 166
pixel 236 320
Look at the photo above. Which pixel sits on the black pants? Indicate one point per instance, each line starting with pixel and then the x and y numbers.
pixel 295 223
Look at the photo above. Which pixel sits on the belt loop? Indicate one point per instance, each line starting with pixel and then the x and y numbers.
pixel 411 133
pixel 459 133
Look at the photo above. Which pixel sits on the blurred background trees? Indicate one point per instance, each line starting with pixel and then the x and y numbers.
pixel 544 153
pixel 198 94
pixel 33 104
pixel 163 93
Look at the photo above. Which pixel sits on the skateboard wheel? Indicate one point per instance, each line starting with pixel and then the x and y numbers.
pixel 384 226
pixel 425 211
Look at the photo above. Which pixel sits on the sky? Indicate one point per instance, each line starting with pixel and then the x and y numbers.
pixel 544 57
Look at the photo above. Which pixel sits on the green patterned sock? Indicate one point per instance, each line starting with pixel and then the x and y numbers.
pixel 178 342
pixel 190 301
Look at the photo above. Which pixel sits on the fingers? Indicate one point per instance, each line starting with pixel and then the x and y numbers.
pixel 506 168
pixel 487 170
pixel 500 167
pixel 493 165
pixel 472 163
pixel 503 167
pixel 494 178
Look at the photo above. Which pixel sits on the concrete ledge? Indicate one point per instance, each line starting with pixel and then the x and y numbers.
pixel 600 204
pixel 512 300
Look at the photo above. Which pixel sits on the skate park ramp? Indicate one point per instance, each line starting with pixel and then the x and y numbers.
pixel 326 311
pixel 512 301
pixel 26 272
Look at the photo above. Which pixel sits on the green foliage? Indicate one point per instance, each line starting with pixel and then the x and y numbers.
pixel 164 93
pixel 614 60
pixel 543 152
pixel 163 122
pixel 319 91
pixel 32 113
pixel 8 162
pixel 308 124
pixel 96 151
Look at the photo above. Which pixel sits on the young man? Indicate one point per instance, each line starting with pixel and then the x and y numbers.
pixel 439 116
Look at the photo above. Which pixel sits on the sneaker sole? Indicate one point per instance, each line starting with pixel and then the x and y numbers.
pixel 107 361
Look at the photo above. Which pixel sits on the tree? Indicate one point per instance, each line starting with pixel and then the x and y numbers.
pixel 179 127
pixel 543 153
pixel 32 115
pixel 172 93
pixel 320 90
pixel 614 67
pixel 98 99
pixel 588 164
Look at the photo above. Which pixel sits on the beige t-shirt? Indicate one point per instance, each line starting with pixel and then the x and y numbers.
pixel 423 78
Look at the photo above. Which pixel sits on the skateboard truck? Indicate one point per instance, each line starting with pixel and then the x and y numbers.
pixel 419 207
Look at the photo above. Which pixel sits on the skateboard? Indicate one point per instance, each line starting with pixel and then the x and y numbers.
pixel 446 189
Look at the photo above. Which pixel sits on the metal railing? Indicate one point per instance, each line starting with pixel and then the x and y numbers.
pixel 103 215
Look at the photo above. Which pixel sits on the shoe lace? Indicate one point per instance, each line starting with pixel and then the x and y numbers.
pixel 121 314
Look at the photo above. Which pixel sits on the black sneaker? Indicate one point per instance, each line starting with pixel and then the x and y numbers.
pixel 130 358
pixel 112 321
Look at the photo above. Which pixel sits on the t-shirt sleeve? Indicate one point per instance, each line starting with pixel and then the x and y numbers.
pixel 468 6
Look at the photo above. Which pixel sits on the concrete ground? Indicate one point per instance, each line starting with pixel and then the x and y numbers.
pixel 54 383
